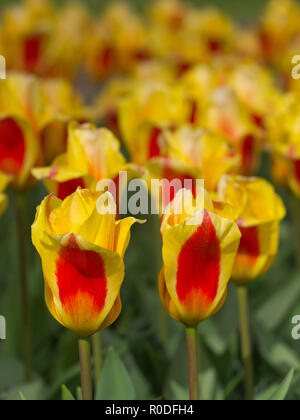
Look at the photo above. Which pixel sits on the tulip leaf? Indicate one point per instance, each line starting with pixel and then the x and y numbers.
pixel 277 308
pixel 179 392
pixel 283 389
pixel 33 391
pixel 66 395
pixel 79 393
pixel 115 383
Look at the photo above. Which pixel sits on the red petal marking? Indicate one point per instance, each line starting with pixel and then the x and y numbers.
pixel 248 154
pixel 69 187
pixel 215 45
pixel 12 147
pixel 182 68
pixel 297 170
pixel 170 174
pixel 265 43
pixel 32 52
pixel 112 121
pixel 259 121
pixel 199 266
pixel 106 60
pixel 80 273
pixel 249 244
pixel 154 148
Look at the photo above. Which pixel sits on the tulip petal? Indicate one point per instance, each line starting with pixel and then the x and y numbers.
pixel 84 283
pixel 198 259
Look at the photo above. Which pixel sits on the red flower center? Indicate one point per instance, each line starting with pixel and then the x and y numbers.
pixel 12 147
pixel 199 266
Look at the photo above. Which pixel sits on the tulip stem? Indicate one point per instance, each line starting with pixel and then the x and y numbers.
pixel 98 360
pixel 26 325
pixel 191 336
pixel 85 369
pixel 246 342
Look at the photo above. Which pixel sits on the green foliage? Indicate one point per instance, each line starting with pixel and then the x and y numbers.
pixel 115 383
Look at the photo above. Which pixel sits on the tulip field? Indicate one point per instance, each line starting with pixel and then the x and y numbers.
pixel 150 202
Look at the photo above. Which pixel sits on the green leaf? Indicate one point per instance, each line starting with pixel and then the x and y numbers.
pixel 79 393
pixel 208 385
pixel 279 304
pixel 34 391
pixel 66 395
pixel 115 383
pixel 179 392
pixel 283 389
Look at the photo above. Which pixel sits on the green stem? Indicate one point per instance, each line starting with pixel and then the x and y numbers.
pixel 26 324
pixel 98 359
pixel 191 336
pixel 246 342
pixel 85 369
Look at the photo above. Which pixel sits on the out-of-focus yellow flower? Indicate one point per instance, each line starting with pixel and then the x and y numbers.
pixel 169 14
pixel 26 30
pixel 82 247
pixel 4 181
pixel 63 105
pixel 117 42
pixel 203 150
pixel 173 175
pixel 261 211
pixel 280 24
pixel 198 83
pixel 154 104
pixel 226 115
pixel 92 155
pixel 105 107
pixel 199 249
pixel 214 27
pixel 21 111
pixel 33 123
pixel 255 88
pixel 65 52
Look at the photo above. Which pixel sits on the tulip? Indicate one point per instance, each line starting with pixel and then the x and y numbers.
pixel 261 211
pixel 82 248
pixel 25 31
pixel 154 105
pixel 280 25
pixel 203 150
pixel 63 105
pixel 200 243
pixel 226 115
pixel 172 175
pixel 4 181
pixel 92 155
pixel 33 123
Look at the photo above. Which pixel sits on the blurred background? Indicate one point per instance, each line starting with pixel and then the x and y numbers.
pixel 153 350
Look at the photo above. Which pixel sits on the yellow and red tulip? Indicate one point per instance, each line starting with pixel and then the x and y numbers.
pixel 92 155
pixel 155 104
pixel 4 181
pixel 261 211
pixel 284 141
pixel 199 249
pixel 82 248
pixel 280 24
pixel 226 115
pixel 173 175
pixel 26 31
pixel 200 149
